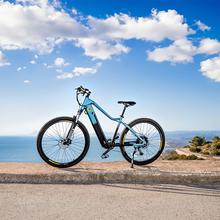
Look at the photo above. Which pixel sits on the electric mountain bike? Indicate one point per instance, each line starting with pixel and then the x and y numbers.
pixel 64 141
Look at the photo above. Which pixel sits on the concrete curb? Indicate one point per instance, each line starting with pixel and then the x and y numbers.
pixel 160 172
pixel 124 177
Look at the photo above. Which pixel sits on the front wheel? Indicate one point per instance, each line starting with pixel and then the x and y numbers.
pixel 133 147
pixel 54 147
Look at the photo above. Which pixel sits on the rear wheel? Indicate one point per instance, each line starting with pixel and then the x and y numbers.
pixel 54 147
pixel 154 140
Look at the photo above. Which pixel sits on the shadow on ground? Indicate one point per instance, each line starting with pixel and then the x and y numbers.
pixel 203 190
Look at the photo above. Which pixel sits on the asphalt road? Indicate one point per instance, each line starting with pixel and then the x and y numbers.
pixel 23 201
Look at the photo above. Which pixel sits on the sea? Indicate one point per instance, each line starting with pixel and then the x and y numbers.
pixel 23 148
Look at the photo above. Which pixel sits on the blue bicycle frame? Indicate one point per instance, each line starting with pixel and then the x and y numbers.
pixel 87 106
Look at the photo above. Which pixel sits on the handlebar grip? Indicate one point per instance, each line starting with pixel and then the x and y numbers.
pixel 83 90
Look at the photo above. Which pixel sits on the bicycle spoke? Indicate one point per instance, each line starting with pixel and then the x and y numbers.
pixel 54 146
pixel 147 132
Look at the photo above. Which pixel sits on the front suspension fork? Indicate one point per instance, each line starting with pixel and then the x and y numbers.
pixel 75 120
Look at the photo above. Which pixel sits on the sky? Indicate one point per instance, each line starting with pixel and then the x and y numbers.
pixel 163 54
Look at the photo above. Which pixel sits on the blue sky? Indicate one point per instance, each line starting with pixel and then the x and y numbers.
pixel 162 54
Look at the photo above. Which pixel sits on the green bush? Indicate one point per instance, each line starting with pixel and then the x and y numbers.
pixel 215 152
pixel 187 146
pixel 198 141
pixel 215 145
pixel 205 151
pixel 195 149
pixel 216 139
pixel 172 155
pixel 207 146
pixel 200 145
pixel 192 157
pixel 182 157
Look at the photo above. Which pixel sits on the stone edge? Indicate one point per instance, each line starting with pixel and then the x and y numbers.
pixel 113 177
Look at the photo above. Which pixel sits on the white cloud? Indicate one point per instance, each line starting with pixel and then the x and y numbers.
pixel 181 51
pixel 74 11
pixel 3 60
pixel 21 68
pixel 159 26
pixel 48 66
pixel 100 49
pixel 202 26
pixel 42 3
pixel 27 81
pixel 209 46
pixel 84 71
pixel 65 75
pixel 32 62
pixel 211 68
pixel 78 71
pixel 59 70
pixel 104 34
pixel 47 26
pixel 35 25
pixel 60 62
pixel 57 3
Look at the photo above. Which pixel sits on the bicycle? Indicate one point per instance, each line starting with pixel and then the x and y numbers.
pixel 64 141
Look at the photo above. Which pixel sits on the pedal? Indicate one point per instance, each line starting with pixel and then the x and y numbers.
pixel 140 152
pixel 104 156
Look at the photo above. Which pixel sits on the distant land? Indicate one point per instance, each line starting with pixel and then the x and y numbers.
pixel 176 139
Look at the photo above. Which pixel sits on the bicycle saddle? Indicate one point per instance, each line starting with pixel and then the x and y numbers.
pixel 127 103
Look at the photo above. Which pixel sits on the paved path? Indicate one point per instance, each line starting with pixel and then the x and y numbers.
pixel 187 152
pixel 24 201
pixel 172 172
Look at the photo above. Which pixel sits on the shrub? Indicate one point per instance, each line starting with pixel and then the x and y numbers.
pixel 206 148
pixel 198 141
pixel 182 157
pixel 195 149
pixel 215 152
pixel 207 145
pixel 215 145
pixel 205 151
pixel 172 155
pixel 192 157
pixel 200 145
pixel 216 139
pixel 187 146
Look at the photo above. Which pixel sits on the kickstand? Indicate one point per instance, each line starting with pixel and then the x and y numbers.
pixel 132 161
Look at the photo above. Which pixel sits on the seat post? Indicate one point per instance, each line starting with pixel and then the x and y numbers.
pixel 122 114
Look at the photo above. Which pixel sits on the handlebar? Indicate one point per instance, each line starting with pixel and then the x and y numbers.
pixel 83 91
